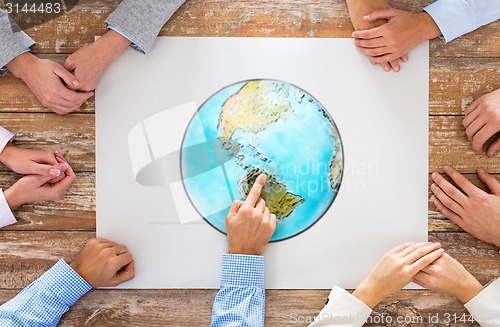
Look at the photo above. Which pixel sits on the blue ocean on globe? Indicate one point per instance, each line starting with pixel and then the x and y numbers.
pixel 263 126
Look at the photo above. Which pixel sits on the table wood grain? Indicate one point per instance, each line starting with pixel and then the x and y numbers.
pixel 460 72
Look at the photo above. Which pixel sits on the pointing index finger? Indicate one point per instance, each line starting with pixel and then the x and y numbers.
pixel 254 194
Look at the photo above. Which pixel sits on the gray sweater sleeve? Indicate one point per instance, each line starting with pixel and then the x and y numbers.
pixel 142 20
pixel 13 41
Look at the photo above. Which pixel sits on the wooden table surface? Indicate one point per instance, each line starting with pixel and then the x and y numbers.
pixel 460 72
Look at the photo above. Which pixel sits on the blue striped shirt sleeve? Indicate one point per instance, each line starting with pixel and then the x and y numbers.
pixel 44 301
pixel 241 299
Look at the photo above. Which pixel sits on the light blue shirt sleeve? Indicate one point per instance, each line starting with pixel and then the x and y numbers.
pixel 44 301
pixel 458 17
pixel 119 31
pixel 241 299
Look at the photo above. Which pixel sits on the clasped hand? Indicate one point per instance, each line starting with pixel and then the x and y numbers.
pixel 47 175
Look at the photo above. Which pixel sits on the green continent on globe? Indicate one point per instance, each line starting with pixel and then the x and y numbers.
pixel 335 174
pixel 278 199
pixel 251 109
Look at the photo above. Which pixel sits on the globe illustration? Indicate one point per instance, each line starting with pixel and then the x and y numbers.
pixel 263 126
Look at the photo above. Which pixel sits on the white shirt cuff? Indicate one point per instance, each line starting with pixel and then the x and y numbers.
pixel 6 215
pixel 485 306
pixel 5 137
pixel 342 310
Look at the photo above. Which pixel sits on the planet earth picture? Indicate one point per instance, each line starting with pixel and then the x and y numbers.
pixel 263 126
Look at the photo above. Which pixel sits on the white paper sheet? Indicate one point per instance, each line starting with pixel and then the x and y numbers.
pixel 382 118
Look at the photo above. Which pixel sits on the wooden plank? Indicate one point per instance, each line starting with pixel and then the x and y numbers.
pixel 76 210
pixel 72 135
pixel 449 145
pixel 188 308
pixel 454 83
pixel 320 18
pixel 193 307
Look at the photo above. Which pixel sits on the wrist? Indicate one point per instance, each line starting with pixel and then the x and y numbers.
pixel 6 153
pixel 359 9
pixel 113 44
pixel 428 27
pixel 21 65
pixel 469 290
pixel 370 297
pixel 12 198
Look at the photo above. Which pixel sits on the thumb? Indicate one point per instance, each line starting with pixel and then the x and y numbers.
pixel 67 77
pixel 125 274
pixel 490 181
pixel 36 168
pixel 39 180
pixel 493 148
pixel 381 14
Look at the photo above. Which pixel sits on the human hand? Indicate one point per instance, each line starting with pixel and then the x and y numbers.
pixel 34 188
pixel 89 63
pixel 32 162
pixel 358 10
pixel 250 224
pixel 447 275
pixel 395 270
pixel 474 210
pixel 49 82
pixel 482 121
pixel 103 263
pixel 403 32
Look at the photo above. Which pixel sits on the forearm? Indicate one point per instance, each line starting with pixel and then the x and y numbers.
pixel 360 8
pixel 113 44
pixel 44 301
pixel 241 299
pixel 13 41
pixel 21 65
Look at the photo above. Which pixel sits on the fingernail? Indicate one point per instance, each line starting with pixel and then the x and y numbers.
pixel 433 187
pixel 386 68
pixel 367 16
pixel 446 168
pixel 64 165
pixel 76 83
pixel 396 69
pixel 54 172
pixel 434 175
